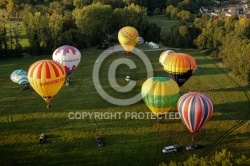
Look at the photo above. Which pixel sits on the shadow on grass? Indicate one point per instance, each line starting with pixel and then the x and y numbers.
pixel 210 71
pixel 231 111
pixel 230 89
pixel 206 61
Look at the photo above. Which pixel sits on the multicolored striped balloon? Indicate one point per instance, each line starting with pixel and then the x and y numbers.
pixel 160 94
pixel 128 37
pixel 195 109
pixel 68 56
pixel 164 55
pixel 180 67
pixel 19 76
pixel 46 77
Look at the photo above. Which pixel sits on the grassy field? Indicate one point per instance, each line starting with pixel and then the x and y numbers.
pixel 161 21
pixel 23 116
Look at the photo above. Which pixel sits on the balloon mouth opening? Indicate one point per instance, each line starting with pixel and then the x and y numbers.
pixel 161 79
pixel 47 98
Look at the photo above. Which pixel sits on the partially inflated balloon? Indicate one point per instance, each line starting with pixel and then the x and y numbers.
pixel 164 55
pixel 195 109
pixel 19 76
pixel 180 67
pixel 160 94
pixel 128 37
pixel 46 77
pixel 68 56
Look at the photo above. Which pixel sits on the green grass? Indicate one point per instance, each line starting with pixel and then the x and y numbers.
pixel 162 21
pixel 23 116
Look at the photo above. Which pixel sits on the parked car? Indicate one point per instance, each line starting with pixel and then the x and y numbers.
pixel 192 147
pixel 42 138
pixel 170 149
pixel 127 78
pixel 198 146
pixel 99 141
pixel 103 45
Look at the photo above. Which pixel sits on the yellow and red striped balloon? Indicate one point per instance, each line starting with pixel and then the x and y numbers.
pixel 128 37
pixel 46 77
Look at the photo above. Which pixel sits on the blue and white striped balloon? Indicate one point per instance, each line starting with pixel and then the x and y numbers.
pixel 19 76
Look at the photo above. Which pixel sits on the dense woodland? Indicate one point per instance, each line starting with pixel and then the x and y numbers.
pixel 85 23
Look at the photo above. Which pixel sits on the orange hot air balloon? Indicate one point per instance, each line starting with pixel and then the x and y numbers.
pixel 46 77
pixel 128 37
pixel 180 67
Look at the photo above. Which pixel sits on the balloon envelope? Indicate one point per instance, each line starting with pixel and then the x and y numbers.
pixel 46 77
pixel 128 37
pixel 68 56
pixel 19 76
pixel 195 109
pixel 160 94
pixel 164 55
pixel 180 67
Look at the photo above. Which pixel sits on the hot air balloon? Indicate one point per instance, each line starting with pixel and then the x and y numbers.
pixel 46 77
pixel 69 57
pixel 195 109
pixel 128 37
pixel 19 76
pixel 164 55
pixel 160 94
pixel 180 67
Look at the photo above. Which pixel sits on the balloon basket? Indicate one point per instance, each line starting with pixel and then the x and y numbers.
pixel 48 106
pixel 67 81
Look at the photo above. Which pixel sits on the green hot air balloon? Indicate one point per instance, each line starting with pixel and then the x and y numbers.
pixel 160 94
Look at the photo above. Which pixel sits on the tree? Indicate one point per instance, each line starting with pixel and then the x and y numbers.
pixel 81 3
pixel 184 16
pixel 173 14
pixel 132 15
pixel 157 11
pixel 3 39
pixel 219 158
pixel 55 24
pixel 152 33
pixel 168 11
pixel 55 7
pixel 93 21
pixel 113 3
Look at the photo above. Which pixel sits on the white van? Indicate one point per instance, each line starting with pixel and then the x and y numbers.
pixel 170 149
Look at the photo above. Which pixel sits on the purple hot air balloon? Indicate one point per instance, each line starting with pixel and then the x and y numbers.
pixel 195 109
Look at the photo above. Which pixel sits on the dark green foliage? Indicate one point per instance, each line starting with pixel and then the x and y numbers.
pixel 219 158
pixel 227 39
pixel 152 33
pixel 181 35
pixel 3 40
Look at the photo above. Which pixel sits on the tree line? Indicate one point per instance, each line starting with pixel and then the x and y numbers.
pixel 85 23
pixel 224 157
pixel 227 39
